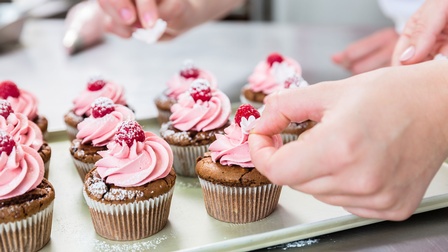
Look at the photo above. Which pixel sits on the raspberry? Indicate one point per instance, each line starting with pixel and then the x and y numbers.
pixel 200 90
pixel 129 131
pixel 102 106
pixel 96 84
pixel 6 142
pixel 189 70
pixel 274 57
pixel 245 110
pixel 5 108
pixel 9 88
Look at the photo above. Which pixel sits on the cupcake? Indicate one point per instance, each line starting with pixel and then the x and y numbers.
pixel 234 191
pixel 24 132
pixel 130 189
pixel 23 102
pixel 26 198
pixel 81 105
pixel 199 114
pixel 294 129
pixel 267 78
pixel 96 131
pixel 179 84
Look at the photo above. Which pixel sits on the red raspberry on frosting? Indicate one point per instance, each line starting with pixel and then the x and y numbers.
pixel 9 88
pixel 200 90
pixel 274 57
pixel 96 84
pixel 6 143
pixel 245 110
pixel 128 131
pixel 102 106
pixel 189 70
pixel 5 108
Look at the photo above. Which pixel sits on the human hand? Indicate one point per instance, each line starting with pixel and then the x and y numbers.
pixel 124 16
pixel 380 138
pixel 369 53
pixel 425 34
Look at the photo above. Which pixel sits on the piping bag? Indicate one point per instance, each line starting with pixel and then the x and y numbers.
pixel 83 27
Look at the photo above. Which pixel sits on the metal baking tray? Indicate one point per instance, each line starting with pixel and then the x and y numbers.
pixel 190 228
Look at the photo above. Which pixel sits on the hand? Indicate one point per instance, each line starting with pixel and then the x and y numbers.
pixel 425 34
pixel 372 52
pixel 380 138
pixel 124 16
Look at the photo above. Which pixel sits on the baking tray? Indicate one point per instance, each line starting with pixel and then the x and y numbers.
pixel 190 228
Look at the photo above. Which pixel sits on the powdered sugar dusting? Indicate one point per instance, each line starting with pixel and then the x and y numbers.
pixel 122 194
pixel 5 108
pixel 97 187
pixel 134 246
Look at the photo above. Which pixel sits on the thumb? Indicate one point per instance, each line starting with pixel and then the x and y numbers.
pixel 421 33
pixel 293 105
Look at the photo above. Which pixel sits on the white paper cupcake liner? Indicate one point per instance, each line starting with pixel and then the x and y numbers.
pixel 255 104
pixel 185 159
pixel 239 204
pixel 163 116
pixel 29 234
pixel 83 168
pixel 71 132
pixel 288 137
pixel 132 221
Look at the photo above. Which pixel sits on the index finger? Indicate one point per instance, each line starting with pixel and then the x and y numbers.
pixel 421 33
pixel 147 12
pixel 121 11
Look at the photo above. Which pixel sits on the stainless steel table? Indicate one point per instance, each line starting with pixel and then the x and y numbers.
pixel 230 50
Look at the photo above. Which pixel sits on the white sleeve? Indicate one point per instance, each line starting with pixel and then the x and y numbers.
pixel 399 11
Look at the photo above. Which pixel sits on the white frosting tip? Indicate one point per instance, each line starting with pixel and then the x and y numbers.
pixel 151 36
pixel 440 57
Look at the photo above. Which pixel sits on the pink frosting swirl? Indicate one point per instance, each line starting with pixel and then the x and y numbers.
pixel 20 171
pixel 137 165
pixel 178 84
pixel 26 104
pixel 233 147
pixel 201 116
pixel 268 79
pixel 22 130
pixel 81 104
pixel 100 131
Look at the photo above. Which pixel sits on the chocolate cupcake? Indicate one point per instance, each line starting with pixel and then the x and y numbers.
pixel 268 77
pixel 96 131
pixel 24 132
pixel 234 191
pixel 177 85
pixel 24 102
pixel 26 198
pixel 199 114
pixel 133 181
pixel 95 88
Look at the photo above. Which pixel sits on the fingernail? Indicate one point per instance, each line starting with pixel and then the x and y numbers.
pixel 126 14
pixel 408 53
pixel 149 20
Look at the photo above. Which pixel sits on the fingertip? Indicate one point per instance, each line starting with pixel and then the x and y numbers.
pixel 148 13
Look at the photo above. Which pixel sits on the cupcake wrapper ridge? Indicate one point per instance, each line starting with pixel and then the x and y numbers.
pixel 185 159
pixel 71 132
pixel 240 204
pixel 132 221
pixel 30 234
pixel 288 137
pixel 83 168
